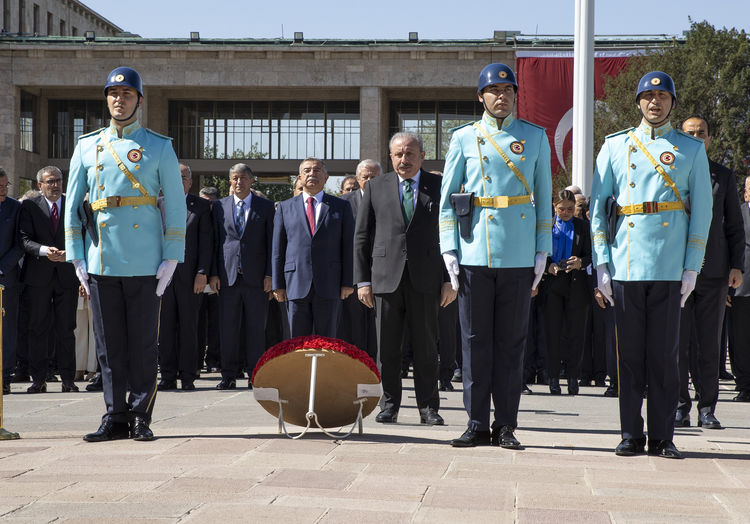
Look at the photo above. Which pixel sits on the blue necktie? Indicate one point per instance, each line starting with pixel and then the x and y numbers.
pixel 239 217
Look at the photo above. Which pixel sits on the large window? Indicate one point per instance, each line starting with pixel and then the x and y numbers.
pixel 26 124
pixel 265 130
pixel 432 120
pixel 69 119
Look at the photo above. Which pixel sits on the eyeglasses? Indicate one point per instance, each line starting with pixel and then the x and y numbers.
pixel 52 182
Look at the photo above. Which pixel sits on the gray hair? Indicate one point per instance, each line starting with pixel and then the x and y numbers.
pixel 408 136
pixel 317 160
pixel 368 162
pixel 190 171
pixel 242 168
pixel 31 193
pixel 45 170
pixel 209 191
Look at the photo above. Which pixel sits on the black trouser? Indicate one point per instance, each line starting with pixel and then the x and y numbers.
pixel 126 314
pixel 647 315
pixel 700 331
pixel 208 329
pixel 242 306
pixel 314 314
pixel 52 309
pixel 10 327
pixel 565 313
pixel 594 366
pixel 407 306
pixel 535 352
pixel 447 340
pixel 740 315
pixel 494 314
pixel 357 325
pixel 178 332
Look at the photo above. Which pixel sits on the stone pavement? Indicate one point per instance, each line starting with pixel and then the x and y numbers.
pixel 219 458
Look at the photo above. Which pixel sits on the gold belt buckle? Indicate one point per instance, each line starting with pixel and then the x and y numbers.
pixel 500 201
pixel 650 207
pixel 113 201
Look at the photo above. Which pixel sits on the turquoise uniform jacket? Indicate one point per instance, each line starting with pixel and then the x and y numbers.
pixel 132 239
pixel 653 246
pixel 501 237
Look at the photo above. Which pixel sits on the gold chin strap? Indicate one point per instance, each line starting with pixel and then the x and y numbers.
pixel 507 160
pixel 659 169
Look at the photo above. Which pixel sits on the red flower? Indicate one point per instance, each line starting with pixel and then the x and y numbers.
pixel 316 342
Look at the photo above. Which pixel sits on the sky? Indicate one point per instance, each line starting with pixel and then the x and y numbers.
pixel 388 19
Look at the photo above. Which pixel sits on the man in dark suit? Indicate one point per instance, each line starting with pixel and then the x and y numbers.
pixel 740 312
pixel 312 245
pixel 398 269
pixel 10 253
pixel 52 282
pixel 703 313
pixel 178 328
pixel 357 324
pixel 243 225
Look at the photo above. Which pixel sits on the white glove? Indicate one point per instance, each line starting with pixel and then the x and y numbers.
pixel 540 262
pixel 604 282
pixel 82 274
pixel 688 284
pixel 451 264
pixel 164 275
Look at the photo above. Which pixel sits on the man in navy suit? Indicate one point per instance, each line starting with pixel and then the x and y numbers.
pixel 313 239
pixel 178 328
pixel 52 282
pixel 243 228
pixel 10 253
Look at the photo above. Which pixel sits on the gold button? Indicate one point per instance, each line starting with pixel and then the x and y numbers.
pixel 99 149
pixel 103 224
pixel 480 140
pixel 632 184
pixel 136 185
pixel 666 185
pixel 100 167
pixel 101 188
pixel 488 179
pixel 671 167
pixel 632 166
pixel 633 149
pixel 523 215
pixel 490 217
pixel 523 140
pixel 135 226
pixel 665 224
pixel 135 207
pixel 631 224
pixel 523 159
pixel 485 159
pixel 137 166
pixel 675 148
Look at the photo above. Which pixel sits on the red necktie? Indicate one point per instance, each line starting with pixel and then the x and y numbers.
pixel 311 214
pixel 55 217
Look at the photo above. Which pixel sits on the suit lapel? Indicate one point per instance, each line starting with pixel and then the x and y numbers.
pixel 324 207
pixel 395 191
pixel 228 206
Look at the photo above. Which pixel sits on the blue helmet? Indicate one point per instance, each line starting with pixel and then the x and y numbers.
pixel 657 81
pixel 124 76
pixel 496 74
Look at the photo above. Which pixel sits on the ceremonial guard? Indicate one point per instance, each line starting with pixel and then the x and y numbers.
pixel 495 237
pixel 124 255
pixel 651 214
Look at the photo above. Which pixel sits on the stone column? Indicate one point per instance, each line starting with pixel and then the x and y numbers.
pixel 10 100
pixel 373 127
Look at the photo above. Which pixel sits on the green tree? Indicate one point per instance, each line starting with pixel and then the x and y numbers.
pixel 711 71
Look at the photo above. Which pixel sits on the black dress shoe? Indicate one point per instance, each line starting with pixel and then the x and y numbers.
pixel 387 416
pixel 139 430
pixel 167 385
pixel 188 385
pixel 108 431
pixel 573 388
pixel 742 396
pixel 631 446
pixel 95 384
pixel 69 387
pixel 681 420
pixel 725 375
pixel 707 420
pixel 6 388
pixel 611 391
pixel 471 438
pixel 554 386
pixel 227 383
pixel 430 417
pixel 21 377
pixel 663 448
pixel 504 438
pixel 37 387
pixel 526 390
pixel 457 376
pixel 445 385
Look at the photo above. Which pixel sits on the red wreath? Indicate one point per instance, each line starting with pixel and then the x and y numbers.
pixel 316 342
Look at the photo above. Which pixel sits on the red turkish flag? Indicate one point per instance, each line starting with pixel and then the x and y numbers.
pixel 545 95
